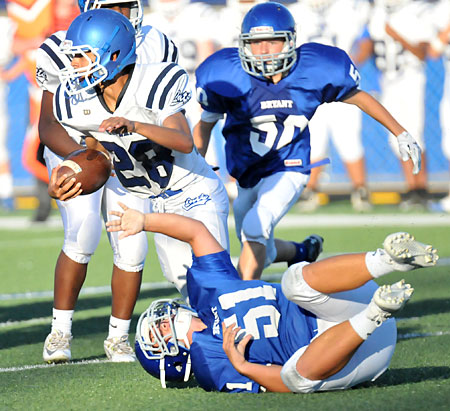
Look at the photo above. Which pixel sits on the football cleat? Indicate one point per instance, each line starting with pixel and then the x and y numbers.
pixel 308 250
pixel 57 347
pixel 118 349
pixel 407 254
pixel 387 300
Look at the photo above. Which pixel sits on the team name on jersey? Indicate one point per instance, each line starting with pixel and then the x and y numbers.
pixel 216 325
pixel 276 104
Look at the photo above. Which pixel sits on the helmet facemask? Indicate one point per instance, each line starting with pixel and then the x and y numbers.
pixel 267 65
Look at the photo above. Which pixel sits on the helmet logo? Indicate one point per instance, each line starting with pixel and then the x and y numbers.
pixel 261 29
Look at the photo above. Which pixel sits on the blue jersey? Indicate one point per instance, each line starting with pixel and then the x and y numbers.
pixel 266 127
pixel 279 327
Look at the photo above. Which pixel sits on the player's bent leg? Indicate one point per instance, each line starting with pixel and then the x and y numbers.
pixel 334 307
pixel 368 362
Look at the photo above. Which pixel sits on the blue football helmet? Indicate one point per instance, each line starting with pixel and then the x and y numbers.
pixel 165 356
pixel 269 20
pixel 109 36
pixel 136 9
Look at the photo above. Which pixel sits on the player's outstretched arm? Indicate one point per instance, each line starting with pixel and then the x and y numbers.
pixel 408 147
pixel 268 377
pixel 51 133
pixel 174 133
pixel 182 228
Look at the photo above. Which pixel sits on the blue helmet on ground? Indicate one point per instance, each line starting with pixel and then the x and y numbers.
pixel 109 36
pixel 269 20
pixel 136 9
pixel 165 355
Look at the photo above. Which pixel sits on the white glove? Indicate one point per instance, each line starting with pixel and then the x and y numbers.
pixel 409 148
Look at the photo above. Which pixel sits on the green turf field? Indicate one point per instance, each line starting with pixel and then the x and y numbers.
pixel 419 376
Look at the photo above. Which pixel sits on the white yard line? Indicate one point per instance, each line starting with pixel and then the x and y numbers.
pixel 290 220
pixel 149 286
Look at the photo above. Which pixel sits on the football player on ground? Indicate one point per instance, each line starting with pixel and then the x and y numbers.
pixel 82 215
pixel 269 91
pixel 398 33
pixel 335 23
pixel 326 327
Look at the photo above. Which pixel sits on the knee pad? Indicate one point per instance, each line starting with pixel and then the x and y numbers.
pixel 130 252
pixel 80 244
pixel 292 378
pixel 257 225
pixel 297 290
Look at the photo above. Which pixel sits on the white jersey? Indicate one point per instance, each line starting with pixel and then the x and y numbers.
pixel 189 26
pixel 153 92
pixel 412 22
pixel 339 24
pixel 152 46
pixel 228 21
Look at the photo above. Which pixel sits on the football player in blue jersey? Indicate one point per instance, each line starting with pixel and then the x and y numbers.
pixel 269 90
pixel 327 325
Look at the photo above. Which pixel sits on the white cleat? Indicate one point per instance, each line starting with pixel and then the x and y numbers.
pixel 389 299
pixel 57 347
pixel 118 349
pixel 409 253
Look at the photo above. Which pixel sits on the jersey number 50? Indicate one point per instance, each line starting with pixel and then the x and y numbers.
pixel 267 137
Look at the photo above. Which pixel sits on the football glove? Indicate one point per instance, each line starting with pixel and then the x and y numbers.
pixel 409 148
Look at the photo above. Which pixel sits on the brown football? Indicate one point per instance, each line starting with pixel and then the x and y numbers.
pixel 91 168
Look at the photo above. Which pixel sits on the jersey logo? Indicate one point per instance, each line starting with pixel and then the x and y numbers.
pixel 292 163
pixel 202 199
pixel 181 97
pixel 41 75
pixel 86 112
pixel 276 104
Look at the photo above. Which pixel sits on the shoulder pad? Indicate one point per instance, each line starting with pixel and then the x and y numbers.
pixel 223 74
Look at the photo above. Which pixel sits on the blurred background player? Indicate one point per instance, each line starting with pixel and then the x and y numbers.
pixel 7 29
pixel 34 21
pixel 82 216
pixel 398 34
pixel 439 47
pixel 335 23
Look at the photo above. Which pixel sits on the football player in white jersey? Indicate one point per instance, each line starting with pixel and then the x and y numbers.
pixel 135 112
pixel 440 46
pixel 398 34
pixel 335 23
pixel 82 215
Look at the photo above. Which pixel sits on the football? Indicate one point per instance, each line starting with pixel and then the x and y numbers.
pixel 91 168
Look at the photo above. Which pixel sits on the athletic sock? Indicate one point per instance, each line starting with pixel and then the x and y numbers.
pixel 379 263
pixel 118 327
pixel 62 320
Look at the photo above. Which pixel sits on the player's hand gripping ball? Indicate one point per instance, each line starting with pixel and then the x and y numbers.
pixel 91 168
